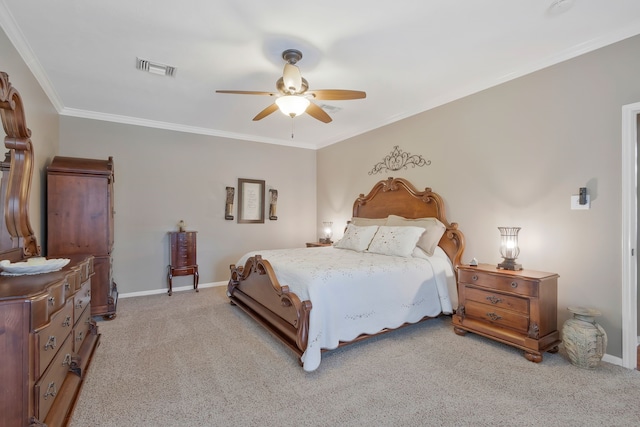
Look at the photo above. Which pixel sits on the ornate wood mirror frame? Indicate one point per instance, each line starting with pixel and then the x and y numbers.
pixel 17 240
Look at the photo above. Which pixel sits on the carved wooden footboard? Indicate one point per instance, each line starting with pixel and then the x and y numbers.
pixel 256 290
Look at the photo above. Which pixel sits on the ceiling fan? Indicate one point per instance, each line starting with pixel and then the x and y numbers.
pixel 294 97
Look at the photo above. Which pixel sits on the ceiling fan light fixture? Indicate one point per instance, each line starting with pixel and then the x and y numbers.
pixel 292 105
pixel 292 78
pixel 293 97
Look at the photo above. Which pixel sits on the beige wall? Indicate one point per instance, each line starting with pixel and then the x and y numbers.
pixel 42 119
pixel 164 176
pixel 513 155
pixel 510 155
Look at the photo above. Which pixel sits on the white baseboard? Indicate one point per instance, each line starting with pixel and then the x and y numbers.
pixel 175 289
pixel 612 359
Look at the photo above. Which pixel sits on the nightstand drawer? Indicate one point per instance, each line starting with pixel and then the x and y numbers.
pixel 509 302
pixel 498 316
pixel 512 284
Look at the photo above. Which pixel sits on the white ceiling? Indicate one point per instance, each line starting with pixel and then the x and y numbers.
pixel 408 55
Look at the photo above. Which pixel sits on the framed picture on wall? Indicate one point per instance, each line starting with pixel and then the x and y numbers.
pixel 250 201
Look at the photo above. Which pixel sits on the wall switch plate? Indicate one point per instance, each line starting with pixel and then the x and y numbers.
pixel 575 203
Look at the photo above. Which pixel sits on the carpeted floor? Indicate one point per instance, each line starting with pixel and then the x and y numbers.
pixel 194 360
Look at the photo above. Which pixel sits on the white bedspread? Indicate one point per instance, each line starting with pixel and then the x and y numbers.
pixel 354 293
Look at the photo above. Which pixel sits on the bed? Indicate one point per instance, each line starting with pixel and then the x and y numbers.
pixel 318 299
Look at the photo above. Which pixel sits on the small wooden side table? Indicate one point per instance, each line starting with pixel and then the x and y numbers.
pixel 317 244
pixel 182 245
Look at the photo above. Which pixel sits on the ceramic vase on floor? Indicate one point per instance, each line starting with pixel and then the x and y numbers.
pixel 584 340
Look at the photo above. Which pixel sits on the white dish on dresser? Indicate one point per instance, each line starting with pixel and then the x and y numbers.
pixel 34 265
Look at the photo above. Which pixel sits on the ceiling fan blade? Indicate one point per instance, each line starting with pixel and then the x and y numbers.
pixel 318 113
pixel 336 94
pixel 264 113
pixel 247 92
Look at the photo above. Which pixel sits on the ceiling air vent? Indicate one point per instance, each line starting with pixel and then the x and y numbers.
pixel 155 68
pixel 330 108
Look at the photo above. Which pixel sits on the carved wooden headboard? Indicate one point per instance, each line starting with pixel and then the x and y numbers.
pixel 396 196
pixel 15 184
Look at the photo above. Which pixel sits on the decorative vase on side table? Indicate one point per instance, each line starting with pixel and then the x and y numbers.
pixel 584 340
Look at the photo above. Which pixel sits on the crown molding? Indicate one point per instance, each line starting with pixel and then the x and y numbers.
pixel 10 27
pixel 114 118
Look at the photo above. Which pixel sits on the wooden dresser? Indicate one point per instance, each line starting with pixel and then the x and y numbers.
pixel 80 219
pixel 47 340
pixel 183 257
pixel 519 308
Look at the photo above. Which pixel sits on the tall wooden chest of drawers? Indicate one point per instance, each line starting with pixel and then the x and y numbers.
pixel 80 220
pixel 47 338
pixel 183 260
pixel 519 308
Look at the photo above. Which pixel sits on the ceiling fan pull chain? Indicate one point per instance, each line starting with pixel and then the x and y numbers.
pixel 292 126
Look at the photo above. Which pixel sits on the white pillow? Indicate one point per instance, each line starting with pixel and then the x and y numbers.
pixel 433 230
pixel 438 253
pixel 395 241
pixel 361 222
pixel 357 238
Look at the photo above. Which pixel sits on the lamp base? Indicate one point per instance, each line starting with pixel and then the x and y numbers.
pixel 509 264
pixel 326 241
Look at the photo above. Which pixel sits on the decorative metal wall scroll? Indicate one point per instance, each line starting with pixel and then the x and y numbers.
pixel 272 204
pixel 228 207
pixel 397 160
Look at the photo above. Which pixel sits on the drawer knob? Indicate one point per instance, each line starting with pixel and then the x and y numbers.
pixel 51 344
pixel 51 391
pixel 67 360
pixel 67 321
pixel 493 299
pixel 493 316
pixel 66 286
pixel 52 300
pixel 474 277
pixel 514 285
pixel 79 305
pixel 80 335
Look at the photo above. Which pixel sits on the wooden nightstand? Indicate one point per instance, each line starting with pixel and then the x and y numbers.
pixel 318 244
pixel 518 308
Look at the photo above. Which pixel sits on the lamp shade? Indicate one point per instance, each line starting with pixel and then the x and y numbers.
pixel 327 232
pixel 509 248
pixel 292 105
